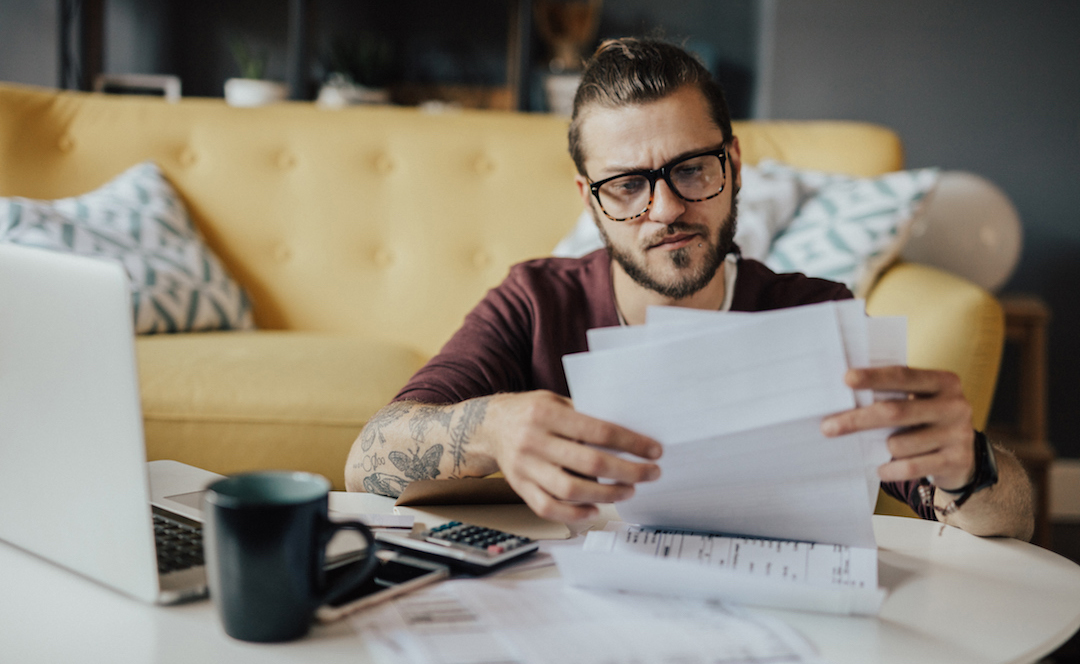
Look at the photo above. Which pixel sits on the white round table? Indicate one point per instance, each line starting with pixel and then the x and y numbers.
pixel 953 598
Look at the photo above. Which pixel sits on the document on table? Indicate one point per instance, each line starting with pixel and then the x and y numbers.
pixel 484 621
pixel 737 400
pixel 778 573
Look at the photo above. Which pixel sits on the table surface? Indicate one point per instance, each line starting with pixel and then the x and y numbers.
pixel 953 598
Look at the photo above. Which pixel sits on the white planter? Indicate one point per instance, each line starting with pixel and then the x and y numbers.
pixel 253 92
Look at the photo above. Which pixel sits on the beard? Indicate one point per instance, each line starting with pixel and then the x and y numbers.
pixel 690 279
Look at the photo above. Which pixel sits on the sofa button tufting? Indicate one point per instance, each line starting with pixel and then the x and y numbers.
pixel 384 164
pixel 383 257
pixel 66 143
pixel 481 259
pixel 286 161
pixel 484 165
pixel 188 157
pixel 282 253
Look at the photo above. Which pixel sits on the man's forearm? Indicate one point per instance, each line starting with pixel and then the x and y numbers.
pixel 1004 509
pixel 408 441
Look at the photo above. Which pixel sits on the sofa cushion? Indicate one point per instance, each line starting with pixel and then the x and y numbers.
pixel 236 401
pixel 178 285
pixel 848 229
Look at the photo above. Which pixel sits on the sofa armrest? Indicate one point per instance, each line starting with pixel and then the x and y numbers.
pixel 952 325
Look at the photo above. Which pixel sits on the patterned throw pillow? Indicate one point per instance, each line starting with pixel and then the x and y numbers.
pixel 177 284
pixel 850 229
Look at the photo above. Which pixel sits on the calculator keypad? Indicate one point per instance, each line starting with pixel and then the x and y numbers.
pixel 493 542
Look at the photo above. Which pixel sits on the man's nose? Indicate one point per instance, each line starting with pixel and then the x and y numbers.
pixel 666 206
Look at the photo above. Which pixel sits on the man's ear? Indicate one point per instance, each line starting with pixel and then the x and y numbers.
pixel 735 157
pixel 583 189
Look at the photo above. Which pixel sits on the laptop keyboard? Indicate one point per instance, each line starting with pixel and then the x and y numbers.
pixel 179 546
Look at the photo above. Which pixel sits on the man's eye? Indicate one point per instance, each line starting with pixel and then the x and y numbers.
pixel 627 186
pixel 687 170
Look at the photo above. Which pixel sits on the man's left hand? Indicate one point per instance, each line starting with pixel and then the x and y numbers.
pixel 934 437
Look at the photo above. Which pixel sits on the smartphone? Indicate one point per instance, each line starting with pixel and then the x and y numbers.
pixel 396 575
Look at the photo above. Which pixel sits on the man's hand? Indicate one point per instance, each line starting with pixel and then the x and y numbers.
pixel 935 438
pixel 537 440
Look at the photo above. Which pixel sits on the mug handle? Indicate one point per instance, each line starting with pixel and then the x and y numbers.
pixel 356 577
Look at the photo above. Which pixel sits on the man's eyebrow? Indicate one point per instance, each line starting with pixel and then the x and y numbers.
pixel 616 169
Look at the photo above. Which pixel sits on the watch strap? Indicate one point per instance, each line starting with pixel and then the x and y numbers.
pixel 985 476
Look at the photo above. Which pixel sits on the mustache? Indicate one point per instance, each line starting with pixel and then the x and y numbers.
pixel 675 228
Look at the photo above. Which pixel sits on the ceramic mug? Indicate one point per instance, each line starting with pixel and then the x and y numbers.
pixel 265 547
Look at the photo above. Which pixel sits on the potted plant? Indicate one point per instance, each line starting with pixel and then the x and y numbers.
pixel 251 89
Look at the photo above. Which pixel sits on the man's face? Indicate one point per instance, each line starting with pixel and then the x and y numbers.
pixel 676 247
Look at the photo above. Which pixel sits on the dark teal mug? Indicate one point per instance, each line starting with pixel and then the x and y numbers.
pixel 265 545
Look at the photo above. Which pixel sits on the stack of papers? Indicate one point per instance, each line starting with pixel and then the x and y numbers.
pixel 737 400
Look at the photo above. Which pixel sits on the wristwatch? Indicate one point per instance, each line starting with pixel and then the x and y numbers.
pixel 986 476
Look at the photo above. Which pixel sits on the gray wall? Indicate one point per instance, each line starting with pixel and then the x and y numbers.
pixel 988 86
pixel 28 42
pixel 136 41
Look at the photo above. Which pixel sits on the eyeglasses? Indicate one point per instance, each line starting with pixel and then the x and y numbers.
pixel 695 178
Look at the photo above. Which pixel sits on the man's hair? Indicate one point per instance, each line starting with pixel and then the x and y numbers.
pixel 633 70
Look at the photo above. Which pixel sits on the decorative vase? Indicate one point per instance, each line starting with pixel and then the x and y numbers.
pixel 250 92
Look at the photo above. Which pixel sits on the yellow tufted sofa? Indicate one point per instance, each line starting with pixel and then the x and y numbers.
pixel 365 235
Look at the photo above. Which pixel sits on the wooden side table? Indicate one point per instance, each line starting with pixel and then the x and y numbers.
pixel 1026 318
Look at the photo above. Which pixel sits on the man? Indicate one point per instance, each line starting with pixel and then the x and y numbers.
pixel 658 166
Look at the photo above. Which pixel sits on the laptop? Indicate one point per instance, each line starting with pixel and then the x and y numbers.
pixel 75 487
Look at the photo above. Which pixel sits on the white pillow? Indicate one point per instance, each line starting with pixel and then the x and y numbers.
pixel 850 229
pixel 178 285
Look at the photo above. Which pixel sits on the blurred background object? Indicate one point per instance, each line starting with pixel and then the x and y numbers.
pixel 251 89
pixel 568 28
pixel 154 85
pixel 968 227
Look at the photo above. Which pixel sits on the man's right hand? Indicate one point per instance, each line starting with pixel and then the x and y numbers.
pixel 543 447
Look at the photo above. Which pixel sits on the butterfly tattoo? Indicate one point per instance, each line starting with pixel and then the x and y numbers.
pixel 418 467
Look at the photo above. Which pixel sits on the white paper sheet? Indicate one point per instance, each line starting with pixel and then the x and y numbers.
pixel 874 342
pixel 786 481
pixel 737 399
pixel 717 381
pixel 775 573
pixel 545 622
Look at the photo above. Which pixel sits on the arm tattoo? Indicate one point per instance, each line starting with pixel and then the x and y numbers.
pixel 425 416
pixel 385 484
pixel 472 416
pixel 382 419
pixel 418 467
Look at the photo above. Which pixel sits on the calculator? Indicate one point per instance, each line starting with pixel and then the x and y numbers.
pixel 464 547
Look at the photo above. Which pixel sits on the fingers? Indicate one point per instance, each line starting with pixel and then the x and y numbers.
pixel 935 399
pixel 899 414
pixel 947 456
pixel 541 453
pixel 547 507
pixel 933 425
pixel 591 462
pixel 575 426
pixel 919 382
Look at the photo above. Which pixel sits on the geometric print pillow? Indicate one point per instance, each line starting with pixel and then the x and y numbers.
pixel 178 284
pixel 850 229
